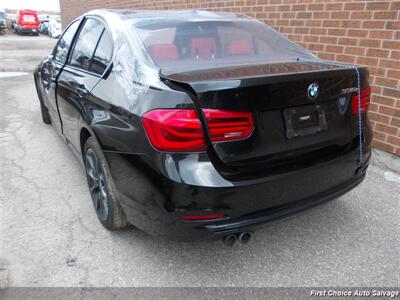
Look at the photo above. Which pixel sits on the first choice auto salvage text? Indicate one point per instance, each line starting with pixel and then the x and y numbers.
pixel 355 293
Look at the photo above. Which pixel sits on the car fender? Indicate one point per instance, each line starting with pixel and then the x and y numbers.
pixel 39 87
pixel 84 125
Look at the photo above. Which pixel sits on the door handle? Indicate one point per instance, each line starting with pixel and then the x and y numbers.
pixel 82 92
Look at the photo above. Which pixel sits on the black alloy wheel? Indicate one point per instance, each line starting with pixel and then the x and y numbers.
pixel 97 185
pixel 102 189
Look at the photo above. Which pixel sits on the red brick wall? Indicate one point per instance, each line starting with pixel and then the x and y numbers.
pixel 356 32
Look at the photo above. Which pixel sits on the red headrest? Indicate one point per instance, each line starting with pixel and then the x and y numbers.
pixel 163 51
pixel 202 46
pixel 239 47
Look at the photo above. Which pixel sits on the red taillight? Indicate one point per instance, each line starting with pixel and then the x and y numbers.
pixel 180 130
pixel 203 217
pixel 228 125
pixel 365 96
pixel 174 130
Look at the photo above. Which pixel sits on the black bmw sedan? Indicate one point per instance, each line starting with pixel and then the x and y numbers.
pixel 195 124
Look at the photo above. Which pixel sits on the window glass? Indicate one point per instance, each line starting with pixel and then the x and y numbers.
pixel 61 51
pixel 187 45
pixel 103 54
pixel 86 43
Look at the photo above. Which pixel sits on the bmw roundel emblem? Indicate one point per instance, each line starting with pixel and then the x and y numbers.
pixel 313 90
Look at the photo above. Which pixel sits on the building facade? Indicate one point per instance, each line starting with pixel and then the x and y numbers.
pixel 354 32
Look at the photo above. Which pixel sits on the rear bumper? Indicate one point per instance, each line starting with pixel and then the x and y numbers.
pixel 260 218
pixel 156 203
pixel 28 30
pixel 55 33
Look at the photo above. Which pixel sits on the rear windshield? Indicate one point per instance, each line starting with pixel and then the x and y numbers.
pixel 177 46
pixel 28 17
pixel 2 17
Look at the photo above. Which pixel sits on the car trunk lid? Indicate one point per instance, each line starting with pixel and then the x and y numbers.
pixel 293 129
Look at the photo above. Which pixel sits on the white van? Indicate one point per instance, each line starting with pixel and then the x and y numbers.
pixel 54 26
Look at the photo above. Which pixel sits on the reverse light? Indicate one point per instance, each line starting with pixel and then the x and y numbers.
pixel 180 130
pixel 228 125
pixel 365 97
pixel 203 217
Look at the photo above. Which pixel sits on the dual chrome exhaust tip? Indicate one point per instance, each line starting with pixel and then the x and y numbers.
pixel 243 237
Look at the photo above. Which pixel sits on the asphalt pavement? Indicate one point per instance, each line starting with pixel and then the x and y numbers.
pixel 50 235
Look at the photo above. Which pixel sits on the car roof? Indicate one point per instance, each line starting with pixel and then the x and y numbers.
pixel 182 15
pixel 27 11
pixel 123 20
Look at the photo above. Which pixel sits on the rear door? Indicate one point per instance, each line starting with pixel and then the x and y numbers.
pixel 88 60
pixel 29 20
pixel 52 68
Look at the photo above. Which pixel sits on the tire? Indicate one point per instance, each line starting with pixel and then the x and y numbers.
pixel 101 187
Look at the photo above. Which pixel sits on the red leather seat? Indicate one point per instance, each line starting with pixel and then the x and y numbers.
pixel 203 47
pixel 239 47
pixel 164 52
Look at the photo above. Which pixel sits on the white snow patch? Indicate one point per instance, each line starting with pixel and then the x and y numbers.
pixel 12 74
pixel 390 176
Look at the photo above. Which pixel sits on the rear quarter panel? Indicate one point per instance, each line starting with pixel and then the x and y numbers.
pixel 115 110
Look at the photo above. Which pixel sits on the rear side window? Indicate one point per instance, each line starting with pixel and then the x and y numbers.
pixel 61 50
pixel 93 49
pixel 103 53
